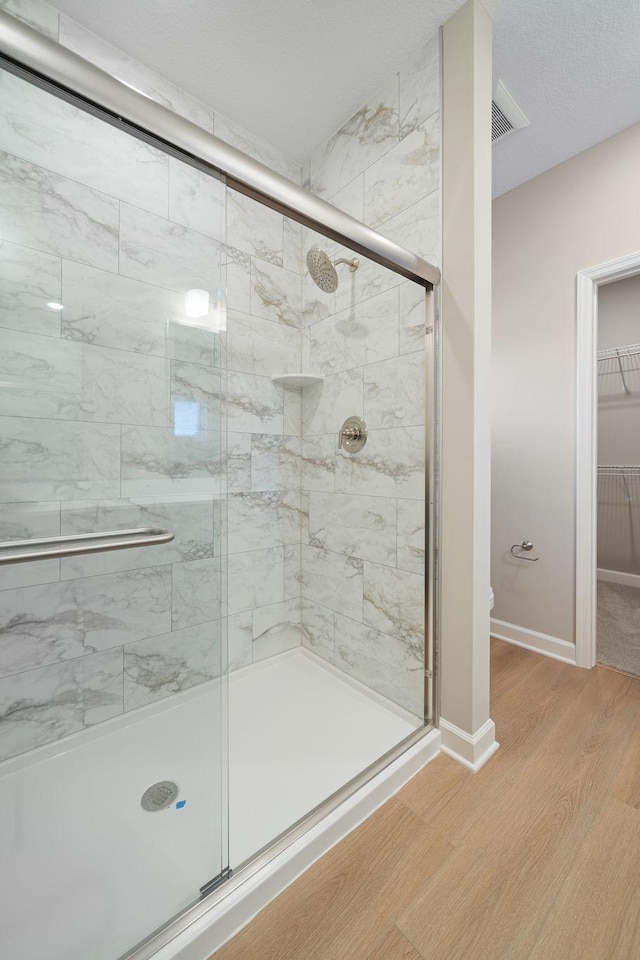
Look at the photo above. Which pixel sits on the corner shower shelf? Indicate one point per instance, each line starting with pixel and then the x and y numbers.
pixel 297 380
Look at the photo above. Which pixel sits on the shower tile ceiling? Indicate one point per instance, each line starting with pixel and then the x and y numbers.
pixel 292 71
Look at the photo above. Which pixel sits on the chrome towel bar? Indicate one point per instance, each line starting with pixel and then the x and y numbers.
pixel 25 551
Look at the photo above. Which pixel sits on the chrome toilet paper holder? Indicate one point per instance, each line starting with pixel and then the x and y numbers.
pixel 525 545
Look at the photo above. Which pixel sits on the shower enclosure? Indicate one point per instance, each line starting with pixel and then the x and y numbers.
pixel 212 591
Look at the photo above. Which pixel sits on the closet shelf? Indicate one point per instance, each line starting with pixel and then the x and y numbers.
pixel 612 353
pixel 618 468
pixel 297 380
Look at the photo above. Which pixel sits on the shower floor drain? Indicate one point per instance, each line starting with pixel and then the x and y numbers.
pixel 159 796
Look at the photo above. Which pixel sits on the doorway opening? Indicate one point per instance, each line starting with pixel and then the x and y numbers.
pixel 608 467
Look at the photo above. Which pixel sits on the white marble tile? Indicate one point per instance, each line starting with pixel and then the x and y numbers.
pixel 292 411
pixel 259 346
pixel 292 246
pixel 326 406
pixel 318 630
pixel 54 459
pixel 275 462
pixel 238 275
pixel 408 172
pixel 108 310
pixel 292 571
pixel 260 520
pixel 394 604
pixel 276 629
pixel 50 213
pixel 420 86
pixel 306 175
pixel 220 528
pixel 196 592
pixel 134 74
pixel 305 499
pixel 411 535
pixel 413 314
pixel 332 580
pixel 238 461
pixel 29 521
pixel 256 578
pixel 369 280
pixel 417 228
pixel 195 397
pixel 72 618
pixel 351 198
pixel 37 14
pixel 255 147
pixel 254 404
pixel 50 132
pixel 275 293
pixel 158 667
pixel 254 228
pixel 189 519
pixel 385 664
pixel 156 463
pixel 193 343
pixel 362 527
pixel 28 281
pixel 240 642
pixel 394 392
pixel 43 705
pixel 319 462
pixel 167 254
pixel 390 465
pixel 196 199
pixel 364 333
pixel 365 137
pixel 66 380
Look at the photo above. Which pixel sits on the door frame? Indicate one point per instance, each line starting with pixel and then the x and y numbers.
pixel 588 283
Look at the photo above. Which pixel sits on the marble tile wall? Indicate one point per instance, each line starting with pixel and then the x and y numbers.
pixel 363 542
pixel 264 339
pixel 45 18
pixel 113 410
pixel 323 549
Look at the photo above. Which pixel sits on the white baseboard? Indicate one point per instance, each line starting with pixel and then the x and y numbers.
pixel 531 640
pixel 617 576
pixel 223 920
pixel 471 750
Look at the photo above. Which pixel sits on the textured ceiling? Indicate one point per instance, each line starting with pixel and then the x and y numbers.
pixel 292 71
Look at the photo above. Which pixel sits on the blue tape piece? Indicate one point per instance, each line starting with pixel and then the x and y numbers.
pixel 180 804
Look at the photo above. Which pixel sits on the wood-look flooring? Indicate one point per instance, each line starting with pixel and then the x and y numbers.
pixel 537 856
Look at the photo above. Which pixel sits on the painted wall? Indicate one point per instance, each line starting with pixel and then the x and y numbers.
pixel 363 550
pixel 619 428
pixel 466 727
pixel 579 214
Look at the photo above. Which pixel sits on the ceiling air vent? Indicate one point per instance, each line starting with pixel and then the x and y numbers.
pixel 506 115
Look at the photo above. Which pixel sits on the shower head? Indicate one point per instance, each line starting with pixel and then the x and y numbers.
pixel 323 270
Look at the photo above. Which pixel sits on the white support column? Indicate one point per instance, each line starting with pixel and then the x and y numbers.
pixel 468 733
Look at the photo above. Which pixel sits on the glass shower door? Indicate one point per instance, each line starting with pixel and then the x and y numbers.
pixel 113 743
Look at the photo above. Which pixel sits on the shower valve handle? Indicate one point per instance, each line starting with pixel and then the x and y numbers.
pixel 353 435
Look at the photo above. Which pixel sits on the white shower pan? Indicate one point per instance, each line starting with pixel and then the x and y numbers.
pixel 99 873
